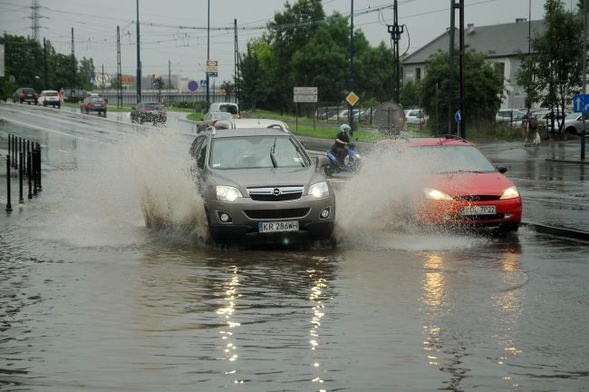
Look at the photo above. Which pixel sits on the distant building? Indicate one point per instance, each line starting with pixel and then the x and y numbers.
pixel 501 43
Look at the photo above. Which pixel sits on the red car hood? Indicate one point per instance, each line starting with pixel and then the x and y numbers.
pixel 465 184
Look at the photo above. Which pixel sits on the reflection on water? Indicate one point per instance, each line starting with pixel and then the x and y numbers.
pixel 451 296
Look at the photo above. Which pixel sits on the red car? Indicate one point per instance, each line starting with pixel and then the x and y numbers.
pixel 94 104
pixel 462 187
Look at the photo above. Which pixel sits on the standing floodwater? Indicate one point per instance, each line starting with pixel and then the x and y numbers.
pixel 92 299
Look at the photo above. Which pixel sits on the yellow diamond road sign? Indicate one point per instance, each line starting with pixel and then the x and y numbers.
pixel 352 98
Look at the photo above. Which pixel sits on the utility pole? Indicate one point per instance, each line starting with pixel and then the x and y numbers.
pixel 395 31
pixel 35 19
pixel 236 63
pixel 456 5
pixel 119 71
pixel 352 50
pixel 45 69
pixel 138 58
pixel 584 132
pixel 73 63
pixel 208 50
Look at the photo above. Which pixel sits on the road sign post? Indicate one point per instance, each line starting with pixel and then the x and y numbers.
pixel 304 95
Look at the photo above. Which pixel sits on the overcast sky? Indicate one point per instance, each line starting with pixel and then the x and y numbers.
pixel 174 32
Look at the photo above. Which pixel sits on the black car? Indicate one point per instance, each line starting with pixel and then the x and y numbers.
pixel 150 112
pixel 25 94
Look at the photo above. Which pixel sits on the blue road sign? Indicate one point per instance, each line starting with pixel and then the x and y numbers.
pixel 203 83
pixel 458 117
pixel 212 74
pixel 192 86
pixel 581 103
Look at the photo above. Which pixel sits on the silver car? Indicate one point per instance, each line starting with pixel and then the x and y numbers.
pixel 573 123
pixel 259 185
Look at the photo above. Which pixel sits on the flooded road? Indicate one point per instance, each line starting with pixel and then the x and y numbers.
pixel 92 299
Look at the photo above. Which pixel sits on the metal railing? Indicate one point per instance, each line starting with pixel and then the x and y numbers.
pixel 24 159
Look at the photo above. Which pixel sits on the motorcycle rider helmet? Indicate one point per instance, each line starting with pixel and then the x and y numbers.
pixel 344 128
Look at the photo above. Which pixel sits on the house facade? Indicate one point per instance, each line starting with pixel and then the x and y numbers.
pixel 501 43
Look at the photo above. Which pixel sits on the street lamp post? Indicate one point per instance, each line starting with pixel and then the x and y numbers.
pixel 138 58
pixel 350 107
pixel 208 49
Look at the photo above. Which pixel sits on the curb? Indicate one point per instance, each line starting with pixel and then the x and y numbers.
pixel 558 231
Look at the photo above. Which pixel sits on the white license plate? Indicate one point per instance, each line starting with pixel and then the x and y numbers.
pixel 478 210
pixel 278 226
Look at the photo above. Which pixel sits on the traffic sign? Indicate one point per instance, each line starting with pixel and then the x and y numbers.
pixel 352 98
pixel 203 83
pixel 192 86
pixel 581 103
pixel 305 94
pixel 305 91
pixel 305 98
pixel 212 74
pixel 458 117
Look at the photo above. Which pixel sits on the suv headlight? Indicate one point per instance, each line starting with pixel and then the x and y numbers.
pixel 319 190
pixel 227 193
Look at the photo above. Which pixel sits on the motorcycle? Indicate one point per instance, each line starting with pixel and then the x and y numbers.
pixel 337 166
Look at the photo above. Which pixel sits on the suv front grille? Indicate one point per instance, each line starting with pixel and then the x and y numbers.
pixel 277 214
pixel 277 193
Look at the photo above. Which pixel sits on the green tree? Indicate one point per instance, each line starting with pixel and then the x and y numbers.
pixel 374 70
pixel 290 31
pixel 483 87
pixel 552 73
pixel 410 95
pixel 255 75
pixel 322 62
pixel 24 58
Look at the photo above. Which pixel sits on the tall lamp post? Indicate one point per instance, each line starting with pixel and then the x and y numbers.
pixel 138 58
pixel 350 107
pixel 208 49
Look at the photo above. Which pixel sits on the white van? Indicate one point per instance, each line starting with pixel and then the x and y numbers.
pixel 228 107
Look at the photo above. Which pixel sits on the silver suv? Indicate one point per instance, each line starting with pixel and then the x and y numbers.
pixel 260 186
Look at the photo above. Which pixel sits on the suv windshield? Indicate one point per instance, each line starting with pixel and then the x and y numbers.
pixel 256 152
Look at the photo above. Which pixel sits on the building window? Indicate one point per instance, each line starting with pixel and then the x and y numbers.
pixel 417 74
pixel 501 69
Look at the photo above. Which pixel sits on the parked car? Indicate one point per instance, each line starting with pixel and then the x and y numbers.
pixel 327 112
pixel 228 107
pixel 25 94
pixel 573 123
pixel 150 112
pixel 415 117
pixel 512 116
pixel 210 118
pixel 462 188
pixel 49 98
pixel 260 186
pixel 74 95
pixel 94 104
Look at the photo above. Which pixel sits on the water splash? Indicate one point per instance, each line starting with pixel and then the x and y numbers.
pixel 373 205
pixel 114 195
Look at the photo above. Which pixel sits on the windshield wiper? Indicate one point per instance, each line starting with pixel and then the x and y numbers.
pixel 272 157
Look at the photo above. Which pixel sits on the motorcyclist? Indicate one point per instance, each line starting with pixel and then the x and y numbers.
pixel 342 139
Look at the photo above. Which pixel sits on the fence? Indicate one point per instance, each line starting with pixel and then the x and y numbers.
pixel 24 157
